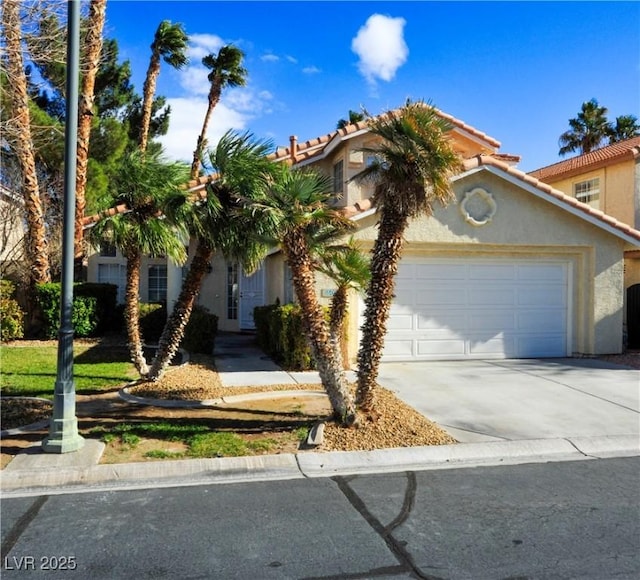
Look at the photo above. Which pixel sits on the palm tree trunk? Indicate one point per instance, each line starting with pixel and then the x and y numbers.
pixel 16 88
pixel 177 322
pixel 148 91
pixel 337 321
pixel 384 266
pixel 214 98
pixel 329 368
pixel 132 311
pixel 92 49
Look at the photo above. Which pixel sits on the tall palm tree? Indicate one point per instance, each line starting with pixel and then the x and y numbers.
pixel 145 183
pixel 91 60
pixel 169 44
pixel 226 71
pixel 22 143
pixel 349 269
pixel 294 203
pixel 239 162
pixel 411 172
pixel 626 127
pixel 587 131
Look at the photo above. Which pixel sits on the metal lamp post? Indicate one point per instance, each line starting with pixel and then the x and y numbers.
pixel 63 427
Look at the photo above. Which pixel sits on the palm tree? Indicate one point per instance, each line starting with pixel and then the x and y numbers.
pixel 349 269
pixel 169 44
pixel 411 170
pixel 354 117
pixel 226 71
pixel 626 127
pixel 91 61
pixel 587 131
pixel 239 163
pixel 294 203
pixel 22 143
pixel 145 183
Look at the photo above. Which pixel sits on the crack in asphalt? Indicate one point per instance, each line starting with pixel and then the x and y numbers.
pixel 397 548
pixel 21 525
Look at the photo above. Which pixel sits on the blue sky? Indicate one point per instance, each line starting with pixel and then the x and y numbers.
pixel 515 70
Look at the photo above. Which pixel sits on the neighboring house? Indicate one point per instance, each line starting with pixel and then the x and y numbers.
pixel 608 179
pixel 12 233
pixel 511 269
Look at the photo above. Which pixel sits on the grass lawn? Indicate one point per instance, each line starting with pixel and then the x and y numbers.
pixel 30 371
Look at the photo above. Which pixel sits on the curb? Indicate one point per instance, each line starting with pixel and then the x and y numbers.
pixel 38 473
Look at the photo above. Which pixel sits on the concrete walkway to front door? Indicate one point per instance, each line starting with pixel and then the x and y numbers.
pixel 520 399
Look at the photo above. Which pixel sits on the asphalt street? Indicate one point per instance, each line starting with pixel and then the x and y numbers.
pixel 577 519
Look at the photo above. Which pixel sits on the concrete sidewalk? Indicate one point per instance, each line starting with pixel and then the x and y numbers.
pixel 502 412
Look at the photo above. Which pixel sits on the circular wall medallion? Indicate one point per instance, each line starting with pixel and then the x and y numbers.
pixel 478 207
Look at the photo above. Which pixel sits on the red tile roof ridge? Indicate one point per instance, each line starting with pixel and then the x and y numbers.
pixel 604 155
pixel 489 160
pixel 285 152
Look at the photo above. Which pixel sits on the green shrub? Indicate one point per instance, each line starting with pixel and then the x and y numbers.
pixel 280 333
pixel 201 330
pixel 11 315
pixel 84 313
pixel 152 320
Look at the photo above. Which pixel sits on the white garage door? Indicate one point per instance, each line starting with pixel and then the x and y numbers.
pixel 478 309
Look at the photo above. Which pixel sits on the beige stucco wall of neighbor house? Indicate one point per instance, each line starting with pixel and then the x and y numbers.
pixel 527 227
pixel 617 193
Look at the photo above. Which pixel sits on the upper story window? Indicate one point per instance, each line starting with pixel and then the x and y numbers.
pixel 587 191
pixel 157 283
pixel 107 249
pixel 338 177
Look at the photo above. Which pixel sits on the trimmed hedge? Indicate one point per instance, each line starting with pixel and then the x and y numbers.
pixel 280 333
pixel 11 315
pixel 200 332
pixel 84 314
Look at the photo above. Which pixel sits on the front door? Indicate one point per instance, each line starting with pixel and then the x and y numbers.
pixel 251 295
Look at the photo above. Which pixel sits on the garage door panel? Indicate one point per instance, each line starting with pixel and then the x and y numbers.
pixel 533 321
pixel 475 308
pixel 545 296
pixel 433 348
pixel 493 272
pixel 447 320
pixel 492 297
pixel 433 297
pixel 497 321
pixel 542 273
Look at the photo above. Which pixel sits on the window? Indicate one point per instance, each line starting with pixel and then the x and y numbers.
pixel 157 283
pixel 338 177
pixel 232 291
pixel 107 249
pixel 115 274
pixel 587 191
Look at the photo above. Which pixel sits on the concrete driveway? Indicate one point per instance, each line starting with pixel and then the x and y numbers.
pixel 520 399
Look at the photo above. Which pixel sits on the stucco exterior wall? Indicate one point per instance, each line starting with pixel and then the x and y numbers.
pixel 526 227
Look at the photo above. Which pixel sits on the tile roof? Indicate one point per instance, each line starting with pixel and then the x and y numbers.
pixel 592 160
pixel 566 200
pixel 308 149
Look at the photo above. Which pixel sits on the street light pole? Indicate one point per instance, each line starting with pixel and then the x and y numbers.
pixel 63 427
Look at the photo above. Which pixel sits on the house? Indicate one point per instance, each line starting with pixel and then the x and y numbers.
pixel 513 268
pixel 608 179
pixel 12 234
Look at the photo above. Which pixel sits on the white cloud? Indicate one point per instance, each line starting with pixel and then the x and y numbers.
pixel 311 70
pixel 187 115
pixel 381 47
pixel 270 57
pixel 200 45
pixel 292 59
